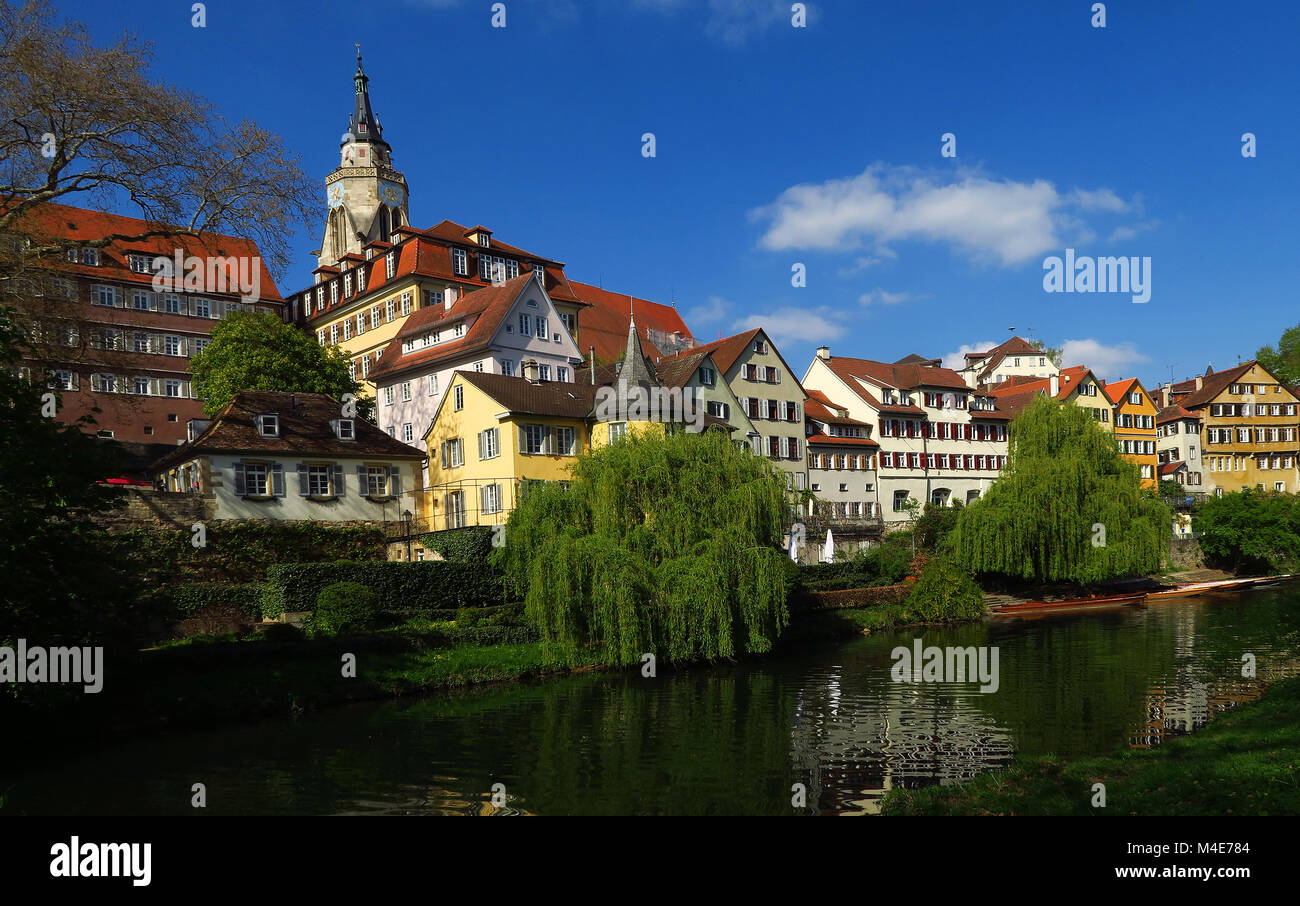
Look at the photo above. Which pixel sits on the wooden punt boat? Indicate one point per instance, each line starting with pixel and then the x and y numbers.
pixel 1103 601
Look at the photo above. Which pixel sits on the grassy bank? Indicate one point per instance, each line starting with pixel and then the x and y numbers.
pixel 1245 762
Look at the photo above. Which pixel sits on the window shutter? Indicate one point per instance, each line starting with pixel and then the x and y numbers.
pixel 395 480
pixel 339 487
pixel 362 489
pixel 442 452
pixel 277 480
pixel 303 489
pixel 241 487
pixel 482 446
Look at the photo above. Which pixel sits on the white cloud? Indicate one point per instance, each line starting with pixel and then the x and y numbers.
pixel 790 324
pixel 1107 362
pixel 713 310
pixel 957 360
pixel 879 296
pixel 1003 220
pixel 868 261
pixel 730 21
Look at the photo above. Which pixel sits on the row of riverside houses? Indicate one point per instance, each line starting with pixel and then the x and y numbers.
pixel 488 362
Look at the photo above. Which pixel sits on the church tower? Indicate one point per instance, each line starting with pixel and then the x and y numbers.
pixel 367 197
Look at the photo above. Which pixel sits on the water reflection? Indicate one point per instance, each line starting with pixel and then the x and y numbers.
pixel 730 739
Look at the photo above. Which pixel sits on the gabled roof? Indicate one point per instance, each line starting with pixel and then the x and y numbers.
pixel 487 307
pixel 1016 385
pixel 727 350
pixel 305 430
pixel 604 324
pixel 63 222
pixel 1172 413
pixel 832 440
pixel 1213 385
pixel 1118 391
pixel 898 376
pixel 517 395
pixel 819 408
pixel 1170 468
pixel 677 371
pixel 993 357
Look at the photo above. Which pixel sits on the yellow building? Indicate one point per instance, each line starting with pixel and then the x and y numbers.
pixel 1134 418
pixel 1250 434
pixel 492 434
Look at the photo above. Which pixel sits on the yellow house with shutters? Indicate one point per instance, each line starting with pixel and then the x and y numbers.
pixel 1134 421
pixel 491 435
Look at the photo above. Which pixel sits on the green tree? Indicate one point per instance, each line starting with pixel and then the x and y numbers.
pixel 1067 507
pixel 936 525
pixel 669 546
pixel 1252 531
pixel 1284 361
pixel 60 582
pixel 1053 353
pixel 258 351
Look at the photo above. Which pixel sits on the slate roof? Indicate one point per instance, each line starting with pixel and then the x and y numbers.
pixel 305 430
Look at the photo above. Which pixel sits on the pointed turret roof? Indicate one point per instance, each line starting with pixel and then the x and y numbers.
pixel 634 369
pixel 363 126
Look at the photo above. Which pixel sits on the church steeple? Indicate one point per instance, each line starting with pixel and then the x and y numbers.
pixel 367 197
pixel 363 126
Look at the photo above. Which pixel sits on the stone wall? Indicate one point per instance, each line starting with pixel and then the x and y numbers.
pixel 1185 553
pixel 149 508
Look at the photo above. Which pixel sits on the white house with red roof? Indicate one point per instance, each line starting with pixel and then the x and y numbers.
pixel 496 330
pixel 940 440
pixel 841 461
pixel 1014 358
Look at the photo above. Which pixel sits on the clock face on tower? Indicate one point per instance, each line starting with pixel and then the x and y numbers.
pixel 336 194
pixel 390 193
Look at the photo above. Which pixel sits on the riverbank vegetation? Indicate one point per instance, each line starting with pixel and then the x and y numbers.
pixel 1068 507
pixel 1251 532
pixel 1246 762
pixel 668 545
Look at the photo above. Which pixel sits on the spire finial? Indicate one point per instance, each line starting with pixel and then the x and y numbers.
pixel 358 47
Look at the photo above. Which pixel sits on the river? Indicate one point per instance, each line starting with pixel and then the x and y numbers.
pixel 727 739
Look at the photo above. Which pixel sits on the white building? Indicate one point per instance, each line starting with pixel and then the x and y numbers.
pixel 294 456
pixel 1014 358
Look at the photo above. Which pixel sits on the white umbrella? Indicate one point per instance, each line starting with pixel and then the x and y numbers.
pixel 794 545
pixel 829 555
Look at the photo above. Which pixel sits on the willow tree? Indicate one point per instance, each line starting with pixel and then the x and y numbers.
pixel 663 545
pixel 1068 507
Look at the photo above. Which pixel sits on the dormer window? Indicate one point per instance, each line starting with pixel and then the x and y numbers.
pixel 140 264
pixel 484 240
pixel 268 425
pixel 345 429
pixel 540 271
pixel 460 261
pixel 390 262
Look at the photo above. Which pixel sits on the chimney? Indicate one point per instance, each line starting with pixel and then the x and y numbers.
pixel 1166 394
pixel 449 298
pixel 1200 382
pixel 532 372
pixel 824 353
pixel 1055 384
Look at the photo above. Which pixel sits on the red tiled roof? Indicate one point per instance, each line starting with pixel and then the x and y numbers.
pixel 1212 386
pixel 1018 384
pixel 64 222
pixel 1013 346
pixel 1118 390
pixel 902 377
pixel 487 306
pixel 1171 413
pixel 727 350
pixel 1170 467
pixel 604 324
pixel 814 408
pixel 820 438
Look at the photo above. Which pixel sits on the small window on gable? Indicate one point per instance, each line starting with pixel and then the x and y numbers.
pixel 268 425
pixel 345 429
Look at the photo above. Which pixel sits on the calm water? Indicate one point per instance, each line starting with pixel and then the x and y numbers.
pixel 723 740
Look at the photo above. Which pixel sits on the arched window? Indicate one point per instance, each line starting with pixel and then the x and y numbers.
pixel 385 223
pixel 939 496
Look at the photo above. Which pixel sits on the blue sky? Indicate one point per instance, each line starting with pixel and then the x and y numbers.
pixel 819 145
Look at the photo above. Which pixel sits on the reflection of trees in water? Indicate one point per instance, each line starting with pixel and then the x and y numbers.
pixel 1207 680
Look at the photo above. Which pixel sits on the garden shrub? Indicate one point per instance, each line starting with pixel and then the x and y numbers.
pixel 344 607
pixel 945 592
pixel 403 589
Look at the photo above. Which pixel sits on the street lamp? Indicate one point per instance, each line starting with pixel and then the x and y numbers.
pixel 406 523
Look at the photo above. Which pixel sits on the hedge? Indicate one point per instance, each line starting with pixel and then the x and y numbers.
pixel 463 545
pixel 404 589
pixel 859 597
pixel 186 600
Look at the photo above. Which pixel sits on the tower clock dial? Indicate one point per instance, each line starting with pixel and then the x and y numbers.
pixel 391 193
pixel 336 195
